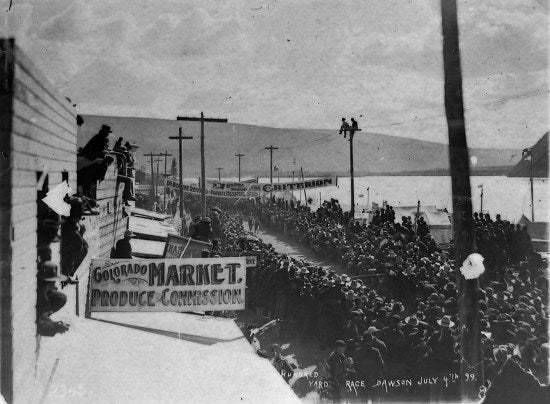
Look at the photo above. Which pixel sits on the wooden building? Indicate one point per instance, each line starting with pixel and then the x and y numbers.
pixel 38 142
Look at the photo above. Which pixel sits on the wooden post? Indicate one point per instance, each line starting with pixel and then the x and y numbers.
pixel 165 154
pixel 202 120
pixel 481 207
pixel 180 137
pixel 151 155
pixel 239 156
pixel 305 195
pixel 463 227
pixel 532 191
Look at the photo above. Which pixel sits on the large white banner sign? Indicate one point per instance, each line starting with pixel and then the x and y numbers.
pixel 205 284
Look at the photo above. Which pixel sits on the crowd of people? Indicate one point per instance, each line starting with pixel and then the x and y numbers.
pixel 397 310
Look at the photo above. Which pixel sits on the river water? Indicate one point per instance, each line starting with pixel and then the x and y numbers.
pixel 508 196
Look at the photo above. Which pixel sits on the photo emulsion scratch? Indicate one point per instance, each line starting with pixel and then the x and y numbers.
pixel 274 201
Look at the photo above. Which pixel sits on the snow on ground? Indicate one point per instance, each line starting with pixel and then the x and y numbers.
pixel 106 363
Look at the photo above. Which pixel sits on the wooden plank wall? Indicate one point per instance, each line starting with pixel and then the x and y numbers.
pixel 38 133
pixel 43 138
pixel 112 224
pixel 6 98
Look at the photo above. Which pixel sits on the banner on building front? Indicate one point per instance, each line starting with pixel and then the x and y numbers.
pixel 175 245
pixel 223 189
pixel 152 285
pixel 257 188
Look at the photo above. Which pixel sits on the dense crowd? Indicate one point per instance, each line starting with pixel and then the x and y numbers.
pixel 397 312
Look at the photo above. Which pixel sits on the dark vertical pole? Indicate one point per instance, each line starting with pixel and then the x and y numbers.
pixel 463 228
pixel 180 138
pixel 165 173
pixel 352 180
pixel 152 177
pixel 305 195
pixel 532 192
pixel 239 156
pixel 481 207
pixel 157 178
pixel 271 166
pixel 181 182
pixel 203 170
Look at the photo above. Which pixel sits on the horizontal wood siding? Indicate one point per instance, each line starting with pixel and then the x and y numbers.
pixel 43 138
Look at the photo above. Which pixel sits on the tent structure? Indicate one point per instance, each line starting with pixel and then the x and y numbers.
pixel 438 219
pixel 539 232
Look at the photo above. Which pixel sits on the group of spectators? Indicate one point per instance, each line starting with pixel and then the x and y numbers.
pixel 95 158
pixel 397 313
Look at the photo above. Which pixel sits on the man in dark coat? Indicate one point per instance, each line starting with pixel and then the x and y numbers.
pixel 337 368
pixel 97 144
pixel 123 247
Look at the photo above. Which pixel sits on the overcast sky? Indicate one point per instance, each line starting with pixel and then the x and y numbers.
pixel 296 63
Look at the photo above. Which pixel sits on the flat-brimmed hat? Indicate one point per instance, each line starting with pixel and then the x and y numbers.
pixel 106 128
pixel 412 320
pixel 500 295
pixel 47 271
pixel 129 233
pixel 446 322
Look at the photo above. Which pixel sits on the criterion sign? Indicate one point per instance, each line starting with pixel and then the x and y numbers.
pixel 130 285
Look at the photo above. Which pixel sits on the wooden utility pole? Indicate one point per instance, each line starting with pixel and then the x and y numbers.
pixel 239 156
pixel 166 155
pixel 305 195
pixel 463 226
pixel 351 177
pixel 151 155
pixel 180 137
pixel 157 176
pixel 524 154
pixel 481 197
pixel 202 120
pixel 219 173
pixel 271 148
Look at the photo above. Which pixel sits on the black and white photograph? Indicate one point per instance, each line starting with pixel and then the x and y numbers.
pixel 274 201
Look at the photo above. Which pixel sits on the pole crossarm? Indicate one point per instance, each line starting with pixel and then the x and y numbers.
pixel 239 155
pixel 151 155
pixel 271 148
pixel 202 119
pixel 199 119
pixel 179 138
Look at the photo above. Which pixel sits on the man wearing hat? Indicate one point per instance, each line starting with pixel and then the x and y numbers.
pixel 49 299
pixel 123 247
pixel 368 360
pixel 338 366
pixel 203 230
pixel 97 144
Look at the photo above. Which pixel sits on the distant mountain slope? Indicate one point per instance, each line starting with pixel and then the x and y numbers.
pixel 540 161
pixel 316 150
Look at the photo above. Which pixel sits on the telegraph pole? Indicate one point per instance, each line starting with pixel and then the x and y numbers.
pixel 352 179
pixel 481 201
pixel 524 154
pixel 180 137
pixel 165 154
pixel 271 148
pixel 202 120
pixel 219 173
pixel 463 226
pixel 151 155
pixel 157 177
pixel 239 156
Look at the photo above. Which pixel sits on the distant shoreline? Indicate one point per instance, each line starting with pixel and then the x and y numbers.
pixel 481 171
